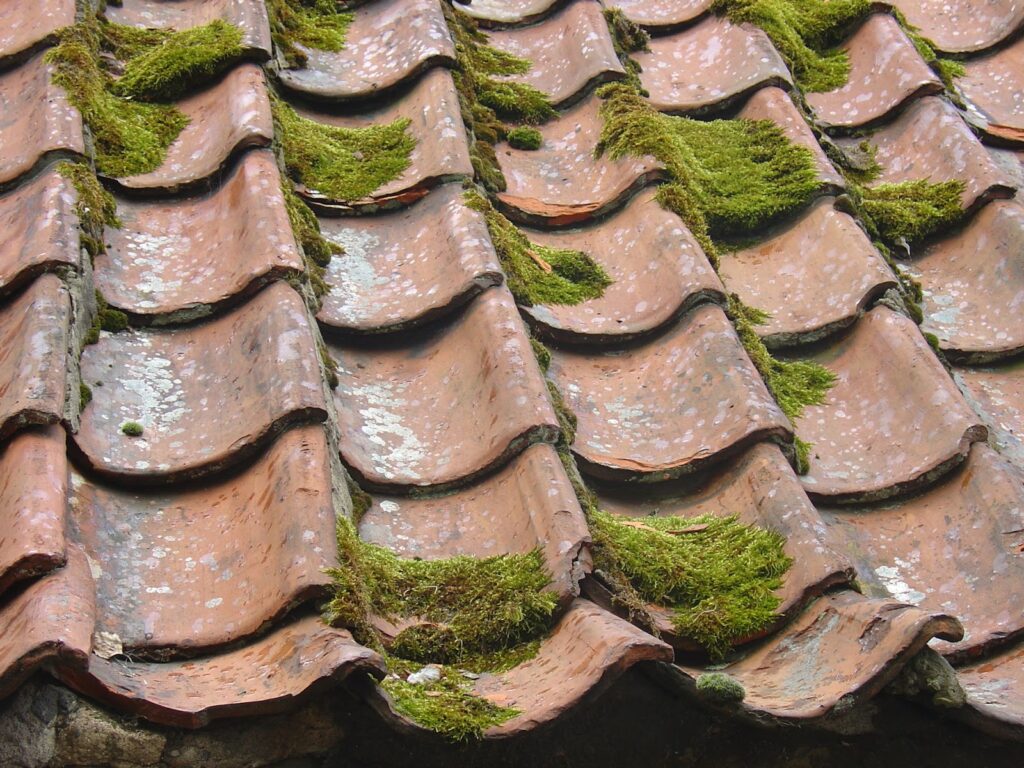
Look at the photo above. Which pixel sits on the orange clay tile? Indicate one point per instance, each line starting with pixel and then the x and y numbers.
pixel 994 692
pixel 35 119
pixel 40 230
pixel 955 548
pixel 568 51
pixel 250 16
pixel 508 11
pixel 885 71
pixel 705 65
pixel 973 283
pixel 894 419
pixel 224 119
pixel 387 42
pixel 181 258
pixel 33 355
pixel 206 396
pixel 994 90
pixel 669 406
pixel 441 152
pixel 812 276
pixel 843 647
pixel 49 622
pixel 444 406
pixel 33 502
pixel 188 570
pixel 963 26
pixel 23 26
pixel 663 13
pixel 657 268
pixel 996 393
pixel 771 103
pixel 527 504
pixel 404 268
pixel 562 182
pixel 272 674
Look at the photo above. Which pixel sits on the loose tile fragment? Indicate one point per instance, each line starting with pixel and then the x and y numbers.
pixel 206 396
pixel 963 26
pixel 894 419
pixel 996 393
pixel 814 276
pixel 445 406
pixel 387 42
pixel 404 268
pixel 994 90
pixel 663 13
pixel 25 25
pixel 182 258
pixel 994 692
pixel 657 268
pixel 668 406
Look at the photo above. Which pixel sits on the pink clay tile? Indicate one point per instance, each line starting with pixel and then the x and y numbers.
pixel 23 25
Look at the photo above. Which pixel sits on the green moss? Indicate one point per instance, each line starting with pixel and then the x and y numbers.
pixel 317 251
pixel 318 24
pixel 330 367
pixel 542 353
pixel 719 688
pixel 84 396
pixel 132 429
pixel 567 422
pixel 627 38
pixel 524 137
pixel 538 274
pixel 345 164
pixel 95 208
pixel 105 319
pixel 911 210
pixel 361 500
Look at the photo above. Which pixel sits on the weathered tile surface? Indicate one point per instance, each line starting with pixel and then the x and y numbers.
pixel 663 13
pixel 24 25
pixel 509 11
pixel 994 90
pixel 997 394
pixel 962 26
pixel 993 687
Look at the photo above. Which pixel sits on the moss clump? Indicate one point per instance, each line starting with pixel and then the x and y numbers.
pixel 95 208
pixel 105 319
pixel 719 688
pixel 538 274
pixel 627 38
pixel 84 396
pixel 132 429
pixel 319 24
pixel 344 164
pixel 317 251
pixel 524 137
pixel 542 353
pixel 911 211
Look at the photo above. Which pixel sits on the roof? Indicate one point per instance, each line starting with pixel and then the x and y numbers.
pixel 170 483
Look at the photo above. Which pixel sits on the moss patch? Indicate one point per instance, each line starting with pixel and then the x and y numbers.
pixel 95 208
pixel 627 38
pixel 317 251
pixel 538 274
pixel 105 319
pixel 84 396
pixel 911 211
pixel 132 429
pixel 318 24
pixel 524 137
pixel 719 688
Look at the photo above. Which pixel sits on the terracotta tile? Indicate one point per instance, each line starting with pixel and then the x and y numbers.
pixel 994 89
pixel 49 622
pixel 658 271
pixel 445 406
pixel 527 504
pixel 963 25
pixel 441 151
pixel 206 396
pixel 23 27
pixel 669 406
pixel 184 571
pixel 771 103
pixel 248 15
pixel 973 285
pixel 562 182
pixel 707 64
pixel 663 13
pixel 509 11
pixel 993 687
pixel 569 51
pixel 33 501
pixel 956 548
pixel 40 230
pixel 844 646
pixel 894 419
pixel 273 674
pixel 997 394
pixel 182 258
pixel 885 71
pixel 224 119
pixel 404 268
pixel 813 275
pixel 35 119
pixel 387 42
pixel 931 141
pixel 33 355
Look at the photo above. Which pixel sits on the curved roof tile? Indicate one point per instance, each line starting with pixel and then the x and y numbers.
pixel 994 90
pixel 963 26
pixel 993 687
pixel 663 13
pixel 24 26
pixel 997 394
pixel 509 11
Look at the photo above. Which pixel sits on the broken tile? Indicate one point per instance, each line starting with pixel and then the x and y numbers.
pixel 184 571
pixel 894 420
pixel 527 504
pixel 25 26
pixel 33 502
pixel 446 405
pixel 272 674
pixel 996 393
pixel 206 396
pixel 993 687
pixel 663 13
pixel 182 258
pixel 994 91
pixel 568 51
pixel 973 282
pixel 224 119
pixel 885 72
pixel 387 42
pixel 33 355
pixel 404 268
pixel 963 26
pixel 562 182
pixel 707 64
pixel 508 11
pixel 40 229
pixel 441 152
pixel 668 406
pixel 813 275
pixel 658 272
pixel 36 119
